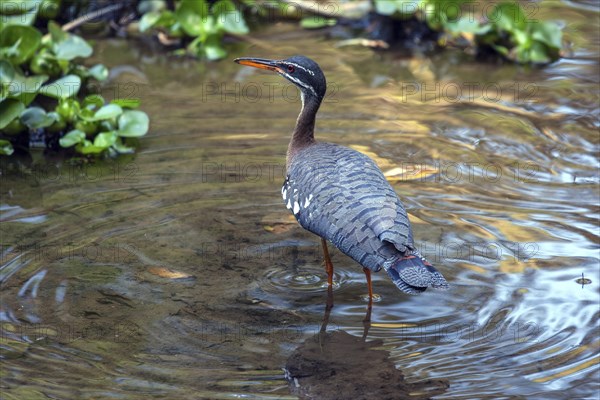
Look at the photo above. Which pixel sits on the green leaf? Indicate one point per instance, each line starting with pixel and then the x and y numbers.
pixel 56 32
pixel 107 112
pixel 146 6
pixel 9 110
pixel 148 20
pixel 8 7
pixel 213 49
pixel 18 86
pixel 126 103
pixel 72 138
pixel 133 123
pixel 93 101
pixel 316 22
pixel 166 20
pixel 65 87
pixel 467 24
pixel 72 47
pixel 21 12
pixel 509 16
pixel 192 14
pixel 7 72
pixel 87 147
pixel 19 43
pixel 500 49
pixel 522 38
pixel 49 9
pixel 99 72
pixel 36 117
pixel 229 17
pixel 385 7
pixel 538 53
pixel 105 139
pixel 121 148
pixel 547 33
pixel 6 148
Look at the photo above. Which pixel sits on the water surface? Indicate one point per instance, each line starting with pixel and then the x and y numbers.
pixel 178 272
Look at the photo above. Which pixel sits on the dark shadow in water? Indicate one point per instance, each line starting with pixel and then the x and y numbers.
pixel 337 365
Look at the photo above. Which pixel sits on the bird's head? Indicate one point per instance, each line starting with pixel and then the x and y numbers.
pixel 301 71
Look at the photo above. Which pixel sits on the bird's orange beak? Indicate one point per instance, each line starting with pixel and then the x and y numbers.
pixel 261 63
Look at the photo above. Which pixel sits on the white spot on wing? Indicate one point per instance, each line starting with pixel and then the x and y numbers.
pixel 296 207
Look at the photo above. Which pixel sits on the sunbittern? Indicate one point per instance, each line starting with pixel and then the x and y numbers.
pixel 341 195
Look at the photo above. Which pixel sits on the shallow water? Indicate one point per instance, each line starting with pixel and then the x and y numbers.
pixel 179 273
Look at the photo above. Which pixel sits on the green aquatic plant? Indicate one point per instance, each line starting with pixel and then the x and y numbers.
pixel 506 30
pixel 520 39
pixel 203 26
pixel 40 79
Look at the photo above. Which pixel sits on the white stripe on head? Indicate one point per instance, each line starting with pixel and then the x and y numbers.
pixel 300 83
pixel 299 66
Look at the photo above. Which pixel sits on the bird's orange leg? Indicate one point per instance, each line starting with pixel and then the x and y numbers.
pixel 367 320
pixel 328 263
pixel 367 272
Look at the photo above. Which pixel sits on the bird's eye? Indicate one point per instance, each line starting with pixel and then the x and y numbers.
pixel 291 69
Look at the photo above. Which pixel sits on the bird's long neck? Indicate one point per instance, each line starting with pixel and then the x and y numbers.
pixel 304 132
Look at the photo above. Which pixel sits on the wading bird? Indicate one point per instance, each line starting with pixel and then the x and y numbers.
pixel 342 196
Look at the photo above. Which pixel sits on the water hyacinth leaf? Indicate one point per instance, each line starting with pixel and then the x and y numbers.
pixel 107 112
pixel 509 16
pixel 19 43
pixel 17 8
pixel 65 87
pixel 93 101
pixel 133 123
pixel 21 12
pixel 547 33
pixel 15 83
pixel 72 138
pixel 522 38
pixel 9 110
pixel 49 9
pixel 121 148
pixel 146 6
pixel 213 49
pixel 167 19
pixel 105 139
pixel 229 17
pixel 56 32
pixel 191 14
pixel 99 72
pixel 36 117
pixel 22 88
pixel 6 148
pixel 538 53
pixel 7 72
pixel 72 47
pixel 148 20
pixel 126 103
pixel 385 7
pixel 87 147
pixel 501 49
pixel 467 24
